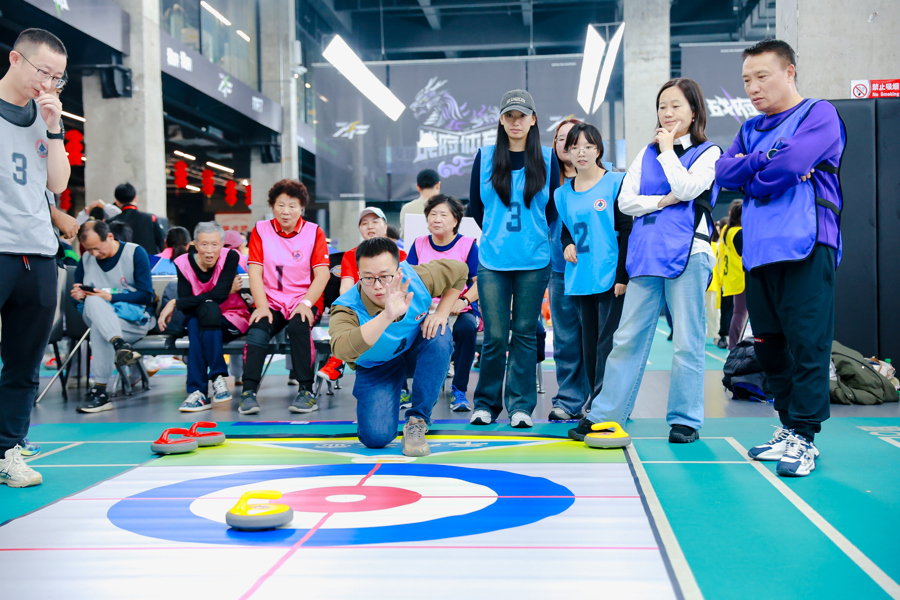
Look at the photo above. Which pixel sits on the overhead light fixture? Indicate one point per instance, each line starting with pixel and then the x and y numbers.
pixel 608 63
pixel 71 116
pixel 245 182
pixel 219 167
pixel 348 64
pixel 216 13
pixel 184 155
pixel 323 98
pixel 243 35
pixel 426 140
pixel 594 45
pixel 308 85
pixel 193 188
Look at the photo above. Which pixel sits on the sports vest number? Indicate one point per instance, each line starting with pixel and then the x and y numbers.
pixel 732 276
pixel 785 226
pixel 426 253
pixel 400 335
pixel 287 268
pixel 660 242
pixel 589 217
pixel 234 309
pixel 514 238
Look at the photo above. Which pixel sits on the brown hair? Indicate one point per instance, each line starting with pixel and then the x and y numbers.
pixel 291 187
pixel 694 95
pixel 562 165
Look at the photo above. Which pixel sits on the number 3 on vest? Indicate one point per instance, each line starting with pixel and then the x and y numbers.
pixel 21 164
pixel 515 217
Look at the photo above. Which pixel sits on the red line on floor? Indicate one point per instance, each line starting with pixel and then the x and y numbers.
pixel 357 485
pixel 306 538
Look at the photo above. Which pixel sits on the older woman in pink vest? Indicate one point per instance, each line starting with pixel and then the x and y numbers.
pixel 444 214
pixel 207 295
pixel 289 268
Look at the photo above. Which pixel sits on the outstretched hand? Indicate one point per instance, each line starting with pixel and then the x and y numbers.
pixel 398 297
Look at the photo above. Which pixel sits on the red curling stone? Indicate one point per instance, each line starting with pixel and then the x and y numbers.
pixel 205 438
pixel 177 446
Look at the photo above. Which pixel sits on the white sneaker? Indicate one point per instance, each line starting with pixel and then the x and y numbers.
pixel 481 417
pixel 799 458
pixel 14 471
pixel 774 448
pixel 520 420
pixel 220 390
pixel 195 402
pixel 451 371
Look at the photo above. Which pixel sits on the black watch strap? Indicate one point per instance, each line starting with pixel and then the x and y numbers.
pixel 56 136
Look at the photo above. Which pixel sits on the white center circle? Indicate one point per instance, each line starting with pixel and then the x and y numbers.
pixel 345 498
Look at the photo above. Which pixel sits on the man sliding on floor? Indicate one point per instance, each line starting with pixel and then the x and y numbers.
pixel 381 323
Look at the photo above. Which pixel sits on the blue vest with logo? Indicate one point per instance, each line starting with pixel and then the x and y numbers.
pixel 514 238
pixel 590 218
pixel 783 227
pixel 399 336
pixel 660 242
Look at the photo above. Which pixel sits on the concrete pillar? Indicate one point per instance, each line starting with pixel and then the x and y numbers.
pixel 124 137
pixel 837 41
pixel 278 22
pixel 647 67
pixel 343 223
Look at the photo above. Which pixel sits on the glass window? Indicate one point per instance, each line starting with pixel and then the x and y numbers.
pixel 181 20
pixel 228 30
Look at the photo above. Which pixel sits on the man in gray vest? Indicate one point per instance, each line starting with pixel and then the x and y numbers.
pixel 115 292
pixel 32 160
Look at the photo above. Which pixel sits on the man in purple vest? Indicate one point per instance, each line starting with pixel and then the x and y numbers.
pixel 786 163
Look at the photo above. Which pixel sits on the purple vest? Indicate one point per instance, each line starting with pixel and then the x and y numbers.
pixel 660 242
pixel 785 227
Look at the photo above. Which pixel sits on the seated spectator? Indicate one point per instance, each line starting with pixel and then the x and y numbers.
pixel 99 210
pixel 121 231
pixel 393 234
pixel 380 325
pixel 216 314
pixel 178 240
pixel 288 271
pixel 115 294
pixel 238 243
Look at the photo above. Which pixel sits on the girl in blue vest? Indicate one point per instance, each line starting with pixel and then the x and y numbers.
pixel 669 189
pixel 595 241
pixel 510 197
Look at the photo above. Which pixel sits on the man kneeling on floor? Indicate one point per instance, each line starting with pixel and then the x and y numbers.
pixel 382 322
pixel 113 283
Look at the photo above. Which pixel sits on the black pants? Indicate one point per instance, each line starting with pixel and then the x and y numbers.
pixel 726 312
pixel 27 304
pixel 302 354
pixel 791 306
pixel 599 315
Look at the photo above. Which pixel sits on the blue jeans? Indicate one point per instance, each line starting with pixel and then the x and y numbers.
pixel 377 389
pixel 631 346
pixel 496 290
pixel 570 376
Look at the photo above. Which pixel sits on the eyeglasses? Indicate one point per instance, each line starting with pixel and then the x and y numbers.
pixel 57 82
pixel 383 280
pixel 585 150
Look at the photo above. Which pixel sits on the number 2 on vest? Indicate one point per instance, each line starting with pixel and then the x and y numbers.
pixel 515 217
pixel 401 347
pixel 581 230
pixel 21 163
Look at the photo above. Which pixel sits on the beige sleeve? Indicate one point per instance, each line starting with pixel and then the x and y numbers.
pixel 442 274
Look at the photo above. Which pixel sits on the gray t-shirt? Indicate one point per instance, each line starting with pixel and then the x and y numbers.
pixel 23 116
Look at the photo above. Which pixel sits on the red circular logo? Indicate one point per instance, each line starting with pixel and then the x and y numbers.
pixel 600 204
pixel 41 147
pixel 297 255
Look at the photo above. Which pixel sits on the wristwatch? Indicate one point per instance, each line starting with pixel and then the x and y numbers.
pixel 306 302
pixel 56 136
pixel 466 300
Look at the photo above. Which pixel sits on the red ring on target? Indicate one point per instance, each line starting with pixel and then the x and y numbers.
pixel 347 498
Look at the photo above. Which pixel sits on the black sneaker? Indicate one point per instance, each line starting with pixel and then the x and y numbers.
pixel 249 405
pixel 584 428
pixel 96 400
pixel 682 434
pixel 125 356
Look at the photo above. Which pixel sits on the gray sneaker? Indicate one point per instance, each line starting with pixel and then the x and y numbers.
pixel 249 405
pixel 305 402
pixel 414 443
pixel 559 414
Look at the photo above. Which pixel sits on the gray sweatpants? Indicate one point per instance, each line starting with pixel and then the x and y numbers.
pixel 105 325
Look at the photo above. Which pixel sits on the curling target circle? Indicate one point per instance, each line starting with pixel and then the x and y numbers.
pixel 398 503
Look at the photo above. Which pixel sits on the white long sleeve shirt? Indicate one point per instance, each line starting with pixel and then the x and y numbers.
pixel 686 185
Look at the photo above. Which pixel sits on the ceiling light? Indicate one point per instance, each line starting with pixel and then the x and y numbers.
pixel 219 167
pixel 193 188
pixel 71 116
pixel 184 155
pixel 345 60
pixel 323 98
pixel 243 35
pixel 590 67
pixel 245 182
pixel 308 85
pixel 608 63
pixel 215 13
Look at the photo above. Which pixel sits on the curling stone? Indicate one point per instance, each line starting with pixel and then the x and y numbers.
pixel 205 438
pixel 257 517
pixel 177 446
pixel 607 435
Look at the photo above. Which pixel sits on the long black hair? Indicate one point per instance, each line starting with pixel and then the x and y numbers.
pixel 535 169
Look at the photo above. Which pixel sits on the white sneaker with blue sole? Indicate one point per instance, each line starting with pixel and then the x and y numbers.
pixel 774 448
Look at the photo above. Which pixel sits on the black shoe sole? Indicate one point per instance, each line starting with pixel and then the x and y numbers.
pixel 94 409
pixel 575 435
pixel 677 438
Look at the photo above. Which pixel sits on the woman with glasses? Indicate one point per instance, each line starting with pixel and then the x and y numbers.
pixel 510 197
pixel 669 189
pixel 595 240
pixel 289 268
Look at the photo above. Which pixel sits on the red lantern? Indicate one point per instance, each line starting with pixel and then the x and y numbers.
pixel 75 147
pixel 181 176
pixel 65 201
pixel 209 187
pixel 247 198
pixel 230 192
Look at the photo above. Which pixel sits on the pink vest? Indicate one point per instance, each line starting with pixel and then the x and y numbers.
pixel 287 265
pixel 426 253
pixel 234 308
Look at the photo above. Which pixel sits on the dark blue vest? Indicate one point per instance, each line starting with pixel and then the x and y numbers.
pixel 660 243
pixel 783 227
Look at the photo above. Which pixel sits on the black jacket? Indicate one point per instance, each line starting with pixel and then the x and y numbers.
pixel 147 232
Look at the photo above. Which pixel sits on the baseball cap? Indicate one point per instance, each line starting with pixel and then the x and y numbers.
pixel 233 239
pixel 519 100
pixel 371 210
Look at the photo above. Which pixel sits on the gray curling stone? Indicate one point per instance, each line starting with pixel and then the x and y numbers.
pixel 245 522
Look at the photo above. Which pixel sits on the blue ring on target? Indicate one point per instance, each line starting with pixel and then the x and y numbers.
pixel 165 512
